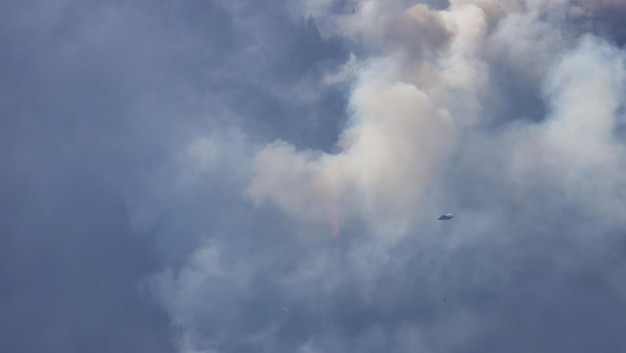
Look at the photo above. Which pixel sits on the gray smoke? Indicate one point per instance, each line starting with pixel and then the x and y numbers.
pixel 267 176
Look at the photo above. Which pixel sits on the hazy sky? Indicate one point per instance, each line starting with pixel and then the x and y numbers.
pixel 204 176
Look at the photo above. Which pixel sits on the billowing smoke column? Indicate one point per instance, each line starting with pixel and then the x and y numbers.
pixel 509 114
pixel 429 95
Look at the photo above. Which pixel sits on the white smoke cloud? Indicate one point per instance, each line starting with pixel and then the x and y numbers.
pixel 422 138
pixel 401 132
pixel 577 143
